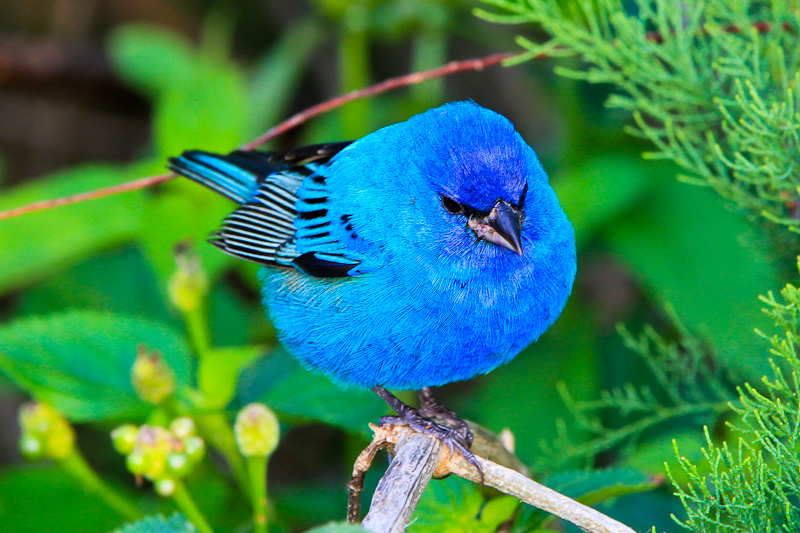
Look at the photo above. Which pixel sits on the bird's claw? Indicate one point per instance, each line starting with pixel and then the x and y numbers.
pixel 457 439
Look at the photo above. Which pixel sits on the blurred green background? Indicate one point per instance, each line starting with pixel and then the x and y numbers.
pixel 98 92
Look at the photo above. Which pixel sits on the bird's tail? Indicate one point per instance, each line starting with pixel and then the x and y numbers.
pixel 236 175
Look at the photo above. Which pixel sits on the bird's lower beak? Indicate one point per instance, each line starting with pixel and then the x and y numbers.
pixel 500 227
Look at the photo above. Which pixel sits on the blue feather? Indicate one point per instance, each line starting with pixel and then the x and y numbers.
pixel 389 268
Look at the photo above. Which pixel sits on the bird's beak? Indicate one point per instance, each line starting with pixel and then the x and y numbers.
pixel 500 227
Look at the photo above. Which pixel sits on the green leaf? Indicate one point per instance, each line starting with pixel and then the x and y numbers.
pixel 498 510
pixel 219 371
pixel 705 261
pixel 278 74
pixel 454 505
pixel 650 455
pixel 184 211
pixel 201 99
pixel 337 527
pixel 595 486
pixel 80 361
pixel 177 523
pixel 148 57
pixel 36 245
pixel 33 500
pixel 121 282
pixel 279 381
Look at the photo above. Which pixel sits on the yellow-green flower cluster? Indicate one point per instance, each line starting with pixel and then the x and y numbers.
pixel 45 433
pixel 159 454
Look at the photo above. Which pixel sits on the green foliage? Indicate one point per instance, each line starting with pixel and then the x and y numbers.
pixel 88 283
pixel 454 504
pixel 753 484
pixel 176 523
pixel 80 362
pixel 32 250
pixel 34 499
pixel 722 104
pixel 688 383
pixel 280 382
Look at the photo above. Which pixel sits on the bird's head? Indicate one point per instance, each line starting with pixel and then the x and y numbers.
pixel 456 187
pixel 488 200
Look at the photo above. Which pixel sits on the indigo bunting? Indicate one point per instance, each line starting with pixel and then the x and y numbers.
pixel 427 252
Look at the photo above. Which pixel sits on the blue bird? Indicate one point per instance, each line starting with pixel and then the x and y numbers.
pixel 427 252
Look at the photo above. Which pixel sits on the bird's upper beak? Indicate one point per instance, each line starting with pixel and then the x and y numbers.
pixel 501 227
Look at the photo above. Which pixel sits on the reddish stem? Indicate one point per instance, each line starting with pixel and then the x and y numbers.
pixel 292 122
pixel 295 120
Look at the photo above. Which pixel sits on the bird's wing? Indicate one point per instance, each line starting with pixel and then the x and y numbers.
pixel 283 219
pixel 324 242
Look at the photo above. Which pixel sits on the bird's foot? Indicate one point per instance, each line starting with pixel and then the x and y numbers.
pixel 456 438
pixel 431 408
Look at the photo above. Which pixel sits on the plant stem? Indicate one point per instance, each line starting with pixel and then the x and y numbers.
pixel 216 430
pixel 187 506
pixel 197 327
pixel 257 468
pixel 76 466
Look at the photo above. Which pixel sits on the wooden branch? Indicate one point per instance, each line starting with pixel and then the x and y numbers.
pixel 418 457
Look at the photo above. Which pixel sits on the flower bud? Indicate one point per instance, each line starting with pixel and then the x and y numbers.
pixel 45 432
pixel 152 378
pixel 178 464
pixel 165 487
pixel 182 427
pixel 31 448
pixel 188 285
pixel 194 448
pixel 124 438
pixel 257 430
pixel 137 463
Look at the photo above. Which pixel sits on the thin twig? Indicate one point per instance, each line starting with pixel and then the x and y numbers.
pixel 418 457
pixel 356 485
pixel 388 85
pixel 141 183
pixel 292 122
pixel 299 118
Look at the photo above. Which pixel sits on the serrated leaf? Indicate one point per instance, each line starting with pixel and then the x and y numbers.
pixel 38 244
pixel 279 381
pixel 177 523
pixel 594 486
pixel 454 505
pixel 80 361
pixel 337 527
pixel 448 506
pixel 184 211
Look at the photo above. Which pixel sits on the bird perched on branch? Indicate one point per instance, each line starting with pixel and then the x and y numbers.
pixel 427 252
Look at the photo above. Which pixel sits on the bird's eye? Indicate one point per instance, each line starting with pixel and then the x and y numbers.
pixel 451 206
